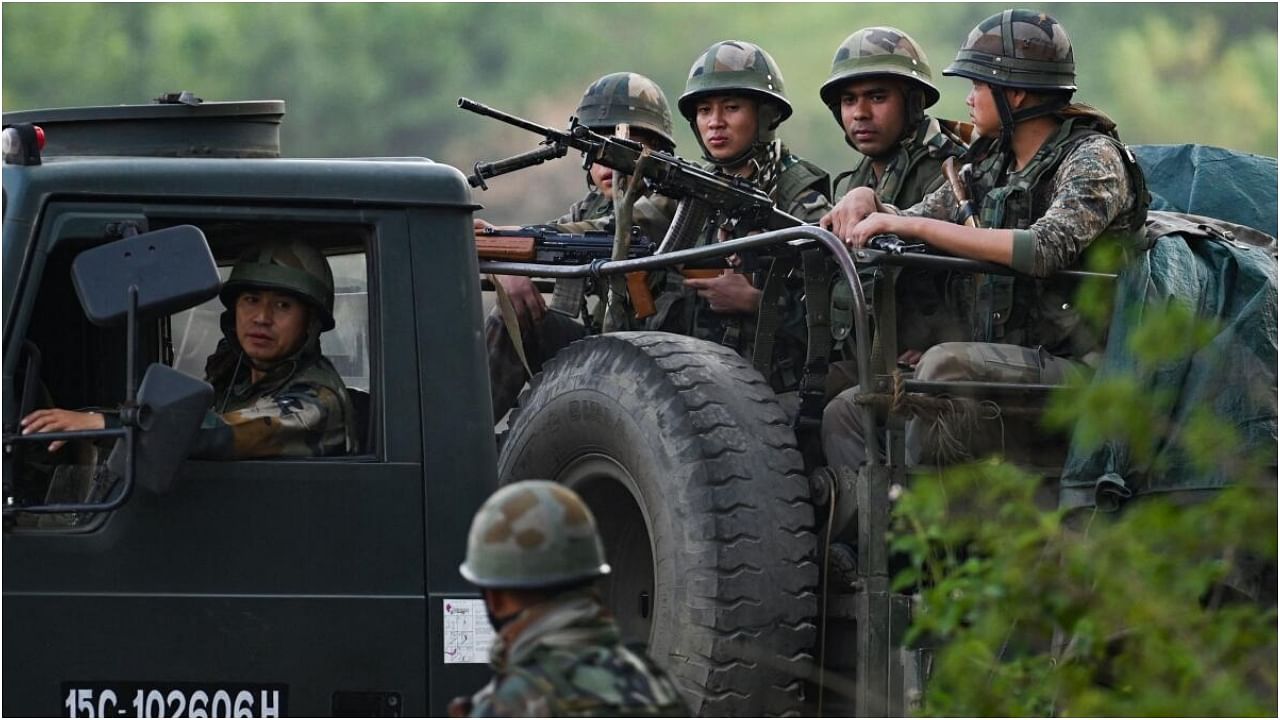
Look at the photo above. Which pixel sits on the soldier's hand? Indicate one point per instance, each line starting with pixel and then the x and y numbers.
pixel 857 204
pixel 910 358
pixel 478 224
pixel 730 292
pixel 58 420
pixel 525 298
pixel 877 224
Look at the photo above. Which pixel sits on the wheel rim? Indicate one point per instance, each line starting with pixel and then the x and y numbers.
pixel 612 494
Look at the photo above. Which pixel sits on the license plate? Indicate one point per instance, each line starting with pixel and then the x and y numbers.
pixel 160 700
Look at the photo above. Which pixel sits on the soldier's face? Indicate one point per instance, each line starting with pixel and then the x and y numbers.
pixel 874 114
pixel 982 109
pixel 270 325
pixel 727 124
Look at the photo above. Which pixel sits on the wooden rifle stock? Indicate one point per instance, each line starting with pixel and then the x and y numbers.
pixel 642 297
pixel 967 211
pixel 508 249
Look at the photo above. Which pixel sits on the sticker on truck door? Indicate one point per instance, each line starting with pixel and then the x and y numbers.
pixel 166 700
pixel 467 632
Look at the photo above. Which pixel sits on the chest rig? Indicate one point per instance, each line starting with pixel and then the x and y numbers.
pixel 1025 310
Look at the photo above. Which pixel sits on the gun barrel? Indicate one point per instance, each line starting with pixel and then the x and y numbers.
pixel 533 127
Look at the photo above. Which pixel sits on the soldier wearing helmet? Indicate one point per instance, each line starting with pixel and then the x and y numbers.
pixel 735 100
pixel 614 99
pixel 1050 177
pixel 275 394
pixel 880 85
pixel 534 551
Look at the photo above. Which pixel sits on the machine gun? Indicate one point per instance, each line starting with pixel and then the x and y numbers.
pixel 701 195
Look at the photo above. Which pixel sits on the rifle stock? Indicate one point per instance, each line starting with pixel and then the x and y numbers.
pixel 510 249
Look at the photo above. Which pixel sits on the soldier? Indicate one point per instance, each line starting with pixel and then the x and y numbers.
pixel 734 101
pixel 1050 178
pixel 535 552
pixel 275 394
pixel 614 99
pixel 881 84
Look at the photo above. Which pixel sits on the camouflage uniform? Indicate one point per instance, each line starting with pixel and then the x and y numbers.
pixel 611 100
pixel 562 656
pixel 796 186
pixel 300 407
pixel 925 312
pixel 1082 184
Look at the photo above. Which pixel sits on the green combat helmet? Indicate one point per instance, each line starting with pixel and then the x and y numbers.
pixel 533 534
pixel 1019 49
pixel 631 98
pixel 877 51
pixel 290 266
pixel 734 67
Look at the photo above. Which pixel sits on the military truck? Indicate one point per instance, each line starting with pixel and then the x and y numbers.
pixel 140 583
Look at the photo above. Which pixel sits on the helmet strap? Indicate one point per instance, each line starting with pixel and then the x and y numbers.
pixel 1006 116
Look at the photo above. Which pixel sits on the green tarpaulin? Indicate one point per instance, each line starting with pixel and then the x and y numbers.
pixel 1226 279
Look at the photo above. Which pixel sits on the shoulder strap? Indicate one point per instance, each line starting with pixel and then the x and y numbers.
pixel 799 175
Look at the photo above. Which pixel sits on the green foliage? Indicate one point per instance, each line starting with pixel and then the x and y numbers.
pixel 383 78
pixel 1035 613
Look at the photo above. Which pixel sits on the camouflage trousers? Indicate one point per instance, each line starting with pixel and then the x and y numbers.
pixel 949 438
pixel 542 340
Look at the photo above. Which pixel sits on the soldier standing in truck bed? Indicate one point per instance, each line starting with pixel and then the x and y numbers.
pixel 535 553
pixel 617 98
pixel 735 101
pixel 1051 177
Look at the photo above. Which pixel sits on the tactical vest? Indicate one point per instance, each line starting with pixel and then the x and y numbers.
pixel 924 143
pixel 1029 311
pixel 681 311
pixel 797 178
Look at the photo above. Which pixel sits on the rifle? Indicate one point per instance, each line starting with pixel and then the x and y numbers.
pixel 547 246
pixel 701 195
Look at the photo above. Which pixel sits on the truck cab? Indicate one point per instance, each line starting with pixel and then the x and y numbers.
pixel 317 586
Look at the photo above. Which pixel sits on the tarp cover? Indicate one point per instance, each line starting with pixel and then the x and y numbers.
pixel 1213 181
pixel 1222 278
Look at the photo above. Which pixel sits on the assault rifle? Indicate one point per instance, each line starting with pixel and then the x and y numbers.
pixel 546 245
pixel 701 195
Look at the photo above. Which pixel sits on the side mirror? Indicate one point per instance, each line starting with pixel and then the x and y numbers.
pixel 171 406
pixel 172 270
pixel 163 271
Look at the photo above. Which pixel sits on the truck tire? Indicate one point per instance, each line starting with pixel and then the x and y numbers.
pixel 690 466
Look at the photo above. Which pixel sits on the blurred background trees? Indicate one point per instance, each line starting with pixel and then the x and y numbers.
pixel 374 79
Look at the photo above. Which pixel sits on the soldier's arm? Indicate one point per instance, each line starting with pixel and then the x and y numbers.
pixel 304 420
pixel 1090 190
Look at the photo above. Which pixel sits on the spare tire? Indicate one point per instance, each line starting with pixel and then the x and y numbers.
pixel 691 469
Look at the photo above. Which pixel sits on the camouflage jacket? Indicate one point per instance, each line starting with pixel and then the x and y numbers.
pixel 1081 185
pixel 799 188
pixel 594 213
pixel 915 170
pixel 923 296
pixel 564 658
pixel 300 408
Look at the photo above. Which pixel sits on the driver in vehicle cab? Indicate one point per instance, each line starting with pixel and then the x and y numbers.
pixel 275 394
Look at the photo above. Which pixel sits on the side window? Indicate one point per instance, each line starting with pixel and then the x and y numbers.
pixel 196 332
pixel 192 336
